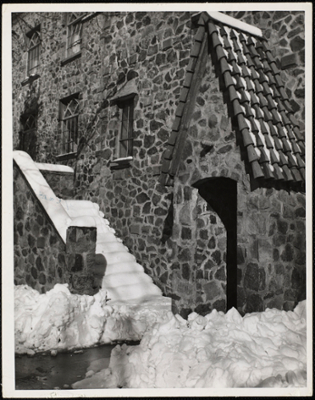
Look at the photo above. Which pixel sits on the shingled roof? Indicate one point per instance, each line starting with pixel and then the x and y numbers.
pixel 270 134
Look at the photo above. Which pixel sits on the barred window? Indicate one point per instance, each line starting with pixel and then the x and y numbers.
pixel 69 112
pixel 74 33
pixel 28 134
pixel 125 147
pixel 29 122
pixel 33 50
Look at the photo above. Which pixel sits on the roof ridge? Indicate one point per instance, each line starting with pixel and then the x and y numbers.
pixel 230 21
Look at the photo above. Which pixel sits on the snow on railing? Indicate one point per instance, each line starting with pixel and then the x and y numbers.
pixel 48 199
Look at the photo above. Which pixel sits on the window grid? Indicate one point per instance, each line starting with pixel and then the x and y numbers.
pixel 30 123
pixel 70 117
pixel 126 139
pixel 28 135
pixel 74 34
pixel 33 52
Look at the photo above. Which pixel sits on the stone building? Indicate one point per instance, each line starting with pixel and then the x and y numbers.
pixel 188 131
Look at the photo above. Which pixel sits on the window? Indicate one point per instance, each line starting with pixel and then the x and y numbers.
pixel 69 115
pixel 28 137
pixel 74 33
pixel 33 50
pixel 125 145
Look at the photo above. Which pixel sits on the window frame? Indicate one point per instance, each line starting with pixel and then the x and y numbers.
pixel 126 105
pixel 69 142
pixel 36 48
pixel 28 134
pixel 77 22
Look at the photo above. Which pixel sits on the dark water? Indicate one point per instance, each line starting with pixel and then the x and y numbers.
pixel 43 371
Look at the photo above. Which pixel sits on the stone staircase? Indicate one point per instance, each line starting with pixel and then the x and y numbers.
pixel 125 280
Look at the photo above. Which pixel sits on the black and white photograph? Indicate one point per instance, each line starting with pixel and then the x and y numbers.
pixel 157 200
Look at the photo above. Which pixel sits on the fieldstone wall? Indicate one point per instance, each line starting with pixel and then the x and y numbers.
pixel 40 258
pixel 173 233
pixel 151 50
pixel 270 222
pixel 57 79
pixel 61 183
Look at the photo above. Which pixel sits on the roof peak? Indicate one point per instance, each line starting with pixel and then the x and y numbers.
pixel 230 21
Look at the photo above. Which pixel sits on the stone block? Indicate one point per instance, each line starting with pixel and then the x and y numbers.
pixel 219 305
pixel 265 251
pixel 167 44
pixel 41 242
pixel 220 274
pixel 300 212
pixel 254 303
pixel 184 255
pixel 297 44
pixel 212 290
pixel 186 233
pixel 298 279
pixel 186 271
pixel 75 262
pixel 288 61
pixel 185 215
pixel 241 255
pixel 254 278
pixel 287 254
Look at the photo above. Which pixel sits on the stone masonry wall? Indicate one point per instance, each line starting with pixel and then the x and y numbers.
pixel 40 259
pixel 152 49
pixel 270 226
pixel 61 183
pixel 173 234
pixel 57 79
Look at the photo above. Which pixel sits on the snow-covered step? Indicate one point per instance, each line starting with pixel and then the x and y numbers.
pixel 110 247
pixel 102 237
pixel 123 268
pixel 121 279
pixel 134 292
pixel 108 239
pixel 118 257
pixel 81 205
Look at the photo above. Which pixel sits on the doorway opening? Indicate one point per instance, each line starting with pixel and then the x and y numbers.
pixel 221 194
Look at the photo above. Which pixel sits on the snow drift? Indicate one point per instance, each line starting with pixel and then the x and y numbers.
pixel 265 349
pixel 59 320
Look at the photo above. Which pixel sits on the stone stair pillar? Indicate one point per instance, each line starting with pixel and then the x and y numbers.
pixel 80 249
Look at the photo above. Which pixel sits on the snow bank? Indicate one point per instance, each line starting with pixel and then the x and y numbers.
pixel 60 320
pixel 265 349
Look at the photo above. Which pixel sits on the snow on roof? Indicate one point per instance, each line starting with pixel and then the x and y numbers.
pixel 54 167
pixel 235 23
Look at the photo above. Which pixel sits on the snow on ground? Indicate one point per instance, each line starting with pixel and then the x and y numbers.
pixel 60 320
pixel 266 349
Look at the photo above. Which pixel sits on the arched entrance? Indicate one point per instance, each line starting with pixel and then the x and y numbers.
pixel 221 195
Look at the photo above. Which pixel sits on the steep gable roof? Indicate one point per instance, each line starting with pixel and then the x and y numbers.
pixel 270 134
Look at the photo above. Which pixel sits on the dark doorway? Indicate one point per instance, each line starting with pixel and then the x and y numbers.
pixel 221 194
